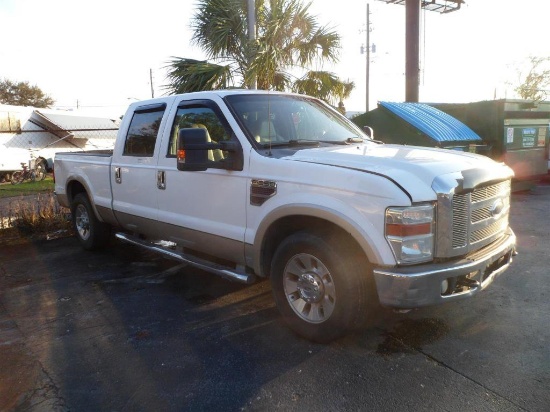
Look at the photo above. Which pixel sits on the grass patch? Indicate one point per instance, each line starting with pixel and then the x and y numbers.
pixel 27 188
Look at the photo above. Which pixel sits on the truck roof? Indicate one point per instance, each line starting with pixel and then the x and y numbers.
pixel 211 93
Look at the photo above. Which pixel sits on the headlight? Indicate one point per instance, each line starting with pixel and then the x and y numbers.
pixel 410 233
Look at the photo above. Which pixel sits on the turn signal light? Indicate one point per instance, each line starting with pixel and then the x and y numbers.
pixel 181 155
pixel 395 229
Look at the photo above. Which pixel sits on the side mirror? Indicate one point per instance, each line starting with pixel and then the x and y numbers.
pixel 192 149
pixel 369 131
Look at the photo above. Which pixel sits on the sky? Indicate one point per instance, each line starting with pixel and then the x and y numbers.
pixel 98 55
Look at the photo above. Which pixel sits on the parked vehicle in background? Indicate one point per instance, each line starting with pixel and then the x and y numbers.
pixel 250 184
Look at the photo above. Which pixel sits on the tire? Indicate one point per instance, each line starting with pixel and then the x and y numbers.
pixel 322 285
pixel 17 177
pixel 90 231
pixel 32 176
pixel 40 170
pixel 40 174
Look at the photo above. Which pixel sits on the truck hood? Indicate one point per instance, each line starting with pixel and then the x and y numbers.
pixel 412 168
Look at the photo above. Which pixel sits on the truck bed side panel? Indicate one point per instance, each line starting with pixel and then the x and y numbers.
pixel 92 171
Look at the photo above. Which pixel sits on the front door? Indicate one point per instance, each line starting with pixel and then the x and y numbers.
pixel 203 210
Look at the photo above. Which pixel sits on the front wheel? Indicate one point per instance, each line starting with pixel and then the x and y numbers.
pixel 322 285
pixel 90 231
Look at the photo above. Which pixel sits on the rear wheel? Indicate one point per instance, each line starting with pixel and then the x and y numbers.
pixel 322 285
pixel 90 231
pixel 17 177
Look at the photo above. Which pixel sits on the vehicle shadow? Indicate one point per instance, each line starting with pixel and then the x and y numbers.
pixel 124 329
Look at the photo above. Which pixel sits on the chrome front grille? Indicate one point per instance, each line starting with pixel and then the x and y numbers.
pixel 469 218
pixel 480 215
pixel 460 221
pixel 490 192
pixel 489 231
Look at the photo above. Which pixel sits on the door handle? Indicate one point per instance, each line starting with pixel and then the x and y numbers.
pixel 161 179
pixel 118 176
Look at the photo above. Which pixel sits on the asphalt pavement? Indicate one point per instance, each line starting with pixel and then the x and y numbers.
pixel 125 330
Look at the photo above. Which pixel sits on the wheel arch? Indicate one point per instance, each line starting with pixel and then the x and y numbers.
pixel 75 187
pixel 281 225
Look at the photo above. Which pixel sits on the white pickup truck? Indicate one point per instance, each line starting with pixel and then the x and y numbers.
pixel 249 184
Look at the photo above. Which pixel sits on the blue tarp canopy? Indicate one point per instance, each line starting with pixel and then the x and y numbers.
pixel 434 123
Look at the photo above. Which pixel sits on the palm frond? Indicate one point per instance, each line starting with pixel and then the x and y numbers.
pixel 324 85
pixel 189 75
pixel 288 38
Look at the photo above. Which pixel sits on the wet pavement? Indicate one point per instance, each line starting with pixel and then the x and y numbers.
pixel 125 330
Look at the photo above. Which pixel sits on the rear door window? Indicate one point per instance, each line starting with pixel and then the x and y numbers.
pixel 143 131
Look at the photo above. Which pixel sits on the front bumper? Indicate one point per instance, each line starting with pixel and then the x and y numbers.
pixel 417 286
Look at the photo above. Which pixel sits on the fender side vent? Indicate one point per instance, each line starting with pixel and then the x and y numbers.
pixel 261 190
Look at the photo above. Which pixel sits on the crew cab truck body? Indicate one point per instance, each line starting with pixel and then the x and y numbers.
pixel 250 184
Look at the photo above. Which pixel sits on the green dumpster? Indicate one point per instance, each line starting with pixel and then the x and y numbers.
pixel 516 130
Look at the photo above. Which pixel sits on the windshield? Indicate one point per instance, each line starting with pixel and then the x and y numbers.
pixel 274 119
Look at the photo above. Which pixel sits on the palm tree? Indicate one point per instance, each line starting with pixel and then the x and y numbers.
pixel 288 40
pixel 324 85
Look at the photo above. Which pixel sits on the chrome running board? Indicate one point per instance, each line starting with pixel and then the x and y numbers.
pixel 205 265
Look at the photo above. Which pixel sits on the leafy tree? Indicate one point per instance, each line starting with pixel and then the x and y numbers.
pixel 533 85
pixel 288 40
pixel 23 94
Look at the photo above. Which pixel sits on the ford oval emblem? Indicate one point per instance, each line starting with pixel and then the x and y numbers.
pixel 497 208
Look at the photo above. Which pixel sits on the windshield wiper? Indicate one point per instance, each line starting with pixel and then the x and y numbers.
pixel 298 142
pixel 349 140
pixel 305 142
pixel 291 143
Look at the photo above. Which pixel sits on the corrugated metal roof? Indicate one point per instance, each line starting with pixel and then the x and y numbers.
pixel 433 122
pixel 71 125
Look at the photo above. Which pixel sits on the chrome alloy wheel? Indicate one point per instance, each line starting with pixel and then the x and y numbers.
pixel 309 288
pixel 82 222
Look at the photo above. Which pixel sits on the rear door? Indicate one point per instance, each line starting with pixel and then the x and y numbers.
pixel 133 169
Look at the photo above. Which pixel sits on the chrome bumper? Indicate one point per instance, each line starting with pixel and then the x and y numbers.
pixel 417 286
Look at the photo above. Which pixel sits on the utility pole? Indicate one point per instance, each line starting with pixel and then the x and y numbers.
pixel 412 49
pixel 368 59
pixel 151 80
pixel 412 41
pixel 367 49
pixel 252 35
